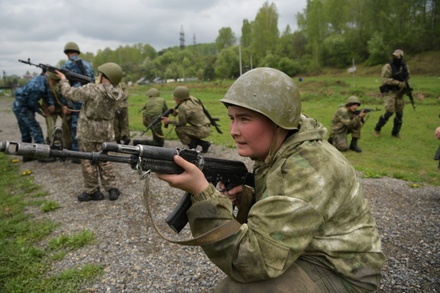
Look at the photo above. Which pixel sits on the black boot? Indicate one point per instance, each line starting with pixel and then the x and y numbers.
pixel 97 195
pixel 204 144
pixel 192 144
pixel 126 140
pixel 142 142
pixel 354 146
pixel 113 193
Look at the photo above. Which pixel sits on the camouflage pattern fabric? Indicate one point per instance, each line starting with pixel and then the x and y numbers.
pixel 95 127
pixel 344 122
pixel 99 170
pixel 192 122
pixel 98 111
pixel 393 101
pixel 153 108
pixel 309 205
pixel 121 124
pixel 72 65
pixel 26 105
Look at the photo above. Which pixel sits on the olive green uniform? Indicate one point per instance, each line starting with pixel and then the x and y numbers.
pixel 192 123
pixel 153 108
pixel 343 123
pixel 311 227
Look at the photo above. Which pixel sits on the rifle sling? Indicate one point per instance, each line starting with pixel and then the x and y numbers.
pixel 217 234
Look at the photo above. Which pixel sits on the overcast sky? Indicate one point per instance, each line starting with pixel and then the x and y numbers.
pixel 39 29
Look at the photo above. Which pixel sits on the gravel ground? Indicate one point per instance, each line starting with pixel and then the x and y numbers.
pixel 136 259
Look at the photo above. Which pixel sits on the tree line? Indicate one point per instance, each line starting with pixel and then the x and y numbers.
pixel 331 33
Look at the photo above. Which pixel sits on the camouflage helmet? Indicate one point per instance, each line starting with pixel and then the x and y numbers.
pixel 352 100
pixel 71 46
pixel 181 93
pixel 153 92
pixel 267 91
pixel 398 54
pixel 112 71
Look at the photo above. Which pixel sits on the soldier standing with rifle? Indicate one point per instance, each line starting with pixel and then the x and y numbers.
pixel 95 126
pixel 395 77
pixel 71 109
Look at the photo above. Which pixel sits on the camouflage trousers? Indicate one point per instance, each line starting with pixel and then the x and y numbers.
pixel 340 139
pixel 30 129
pixel 187 134
pixel 121 124
pixel 99 170
pixel 301 277
pixel 394 102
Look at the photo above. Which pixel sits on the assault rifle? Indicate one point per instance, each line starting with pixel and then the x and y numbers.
pixel 366 110
pixel 158 119
pixel 409 93
pixel 71 76
pixel 144 159
pixel 211 119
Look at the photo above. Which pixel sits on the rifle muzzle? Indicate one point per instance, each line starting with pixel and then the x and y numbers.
pixel 25 149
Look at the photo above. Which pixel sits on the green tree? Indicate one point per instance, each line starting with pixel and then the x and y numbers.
pixel 265 32
pixel 226 38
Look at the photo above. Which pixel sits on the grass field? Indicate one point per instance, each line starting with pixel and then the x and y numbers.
pixel 409 158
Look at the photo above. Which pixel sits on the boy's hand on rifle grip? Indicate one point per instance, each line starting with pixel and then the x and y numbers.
pixel 190 180
pixel 233 194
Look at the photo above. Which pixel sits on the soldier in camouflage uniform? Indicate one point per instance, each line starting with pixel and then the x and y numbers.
pixel 394 75
pixel 26 104
pixel 344 122
pixel 71 109
pixel 152 109
pixel 192 124
pixel 122 131
pixel 95 126
pixel 310 228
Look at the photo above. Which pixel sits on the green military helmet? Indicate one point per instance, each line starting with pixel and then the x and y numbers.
pixel 270 92
pixel 153 92
pixel 352 100
pixel 112 71
pixel 398 54
pixel 181 93
pixel 71 46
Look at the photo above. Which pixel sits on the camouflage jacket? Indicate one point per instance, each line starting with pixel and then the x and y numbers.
pixel 72 65
pixel 344 119
pixel 309 204
pixel 32 92
pixel 191 112
pixel 98 111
